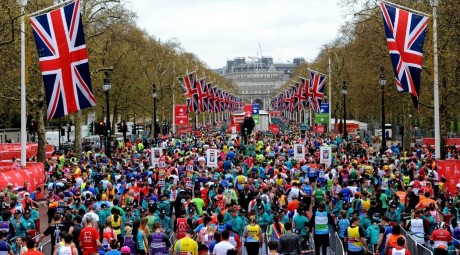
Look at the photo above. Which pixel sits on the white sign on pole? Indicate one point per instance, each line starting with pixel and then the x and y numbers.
pixel 299 151
pixel 156 154
pixel 211 157
pixel 326 155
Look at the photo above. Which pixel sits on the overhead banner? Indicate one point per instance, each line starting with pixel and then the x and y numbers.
pixel 325 155
pixel 299 151
pixel 180 115
pixel 211 157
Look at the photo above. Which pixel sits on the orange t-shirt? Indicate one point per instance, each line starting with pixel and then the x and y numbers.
pixel 293 205
pixel 425 203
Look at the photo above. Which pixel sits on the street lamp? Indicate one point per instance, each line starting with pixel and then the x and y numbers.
pixel 154 121
pixel 383 83
pixel 344 93
pixel 107 86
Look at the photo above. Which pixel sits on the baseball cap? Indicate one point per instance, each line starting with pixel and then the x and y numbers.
pixel 27 194
pixel 26 211
pixel 143 210
pixel 163 211
pixel 125 250
pixel 458 185
pixel 17 212
pixel 260 207
pixel 103 205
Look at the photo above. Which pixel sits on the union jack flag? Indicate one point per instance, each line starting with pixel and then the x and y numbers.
pixel 63 57
pixel 210 97
pixel 405 32
pixel 216 99
pixel 188 85
pixel 317 85
pixel 202 94
pixel 222 100
pixel 306 92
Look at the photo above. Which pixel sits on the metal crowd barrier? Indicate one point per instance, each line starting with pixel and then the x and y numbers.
pixel 414 247
pixel 44 247
pixel 335 245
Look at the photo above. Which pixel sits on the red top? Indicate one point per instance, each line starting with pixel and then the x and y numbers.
pixel 441 235
pixel 33 252
pixel 88 237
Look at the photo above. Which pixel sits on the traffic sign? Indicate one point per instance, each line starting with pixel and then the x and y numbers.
pixel 324 108
pixel 255 117
pixel 322 118
pixel 255 108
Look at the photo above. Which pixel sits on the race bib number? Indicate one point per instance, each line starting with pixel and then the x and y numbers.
pixel 189 168
pixel 162 164
pixel 189 175
pixel 161 182
pixel 189 185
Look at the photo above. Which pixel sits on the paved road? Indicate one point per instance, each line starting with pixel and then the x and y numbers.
pixel 43 226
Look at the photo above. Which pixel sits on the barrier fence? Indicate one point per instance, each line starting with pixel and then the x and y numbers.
pixel 335 245
pixel 414 247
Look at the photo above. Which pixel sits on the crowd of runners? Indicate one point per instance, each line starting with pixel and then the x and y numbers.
pixel 258 200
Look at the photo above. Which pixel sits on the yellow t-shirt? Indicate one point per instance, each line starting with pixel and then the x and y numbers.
pixel 186 246
pixel 253 232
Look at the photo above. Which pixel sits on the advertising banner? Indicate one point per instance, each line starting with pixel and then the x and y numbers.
pixel 180 115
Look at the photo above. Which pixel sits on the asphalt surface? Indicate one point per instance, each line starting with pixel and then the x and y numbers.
pixel 43 225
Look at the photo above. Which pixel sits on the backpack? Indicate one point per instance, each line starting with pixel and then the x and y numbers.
pixel 130 243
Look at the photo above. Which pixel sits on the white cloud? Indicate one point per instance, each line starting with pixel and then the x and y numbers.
pixel 217 30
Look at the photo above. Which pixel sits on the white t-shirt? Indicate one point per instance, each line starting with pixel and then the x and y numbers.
pixel 93 215
pixel 222 247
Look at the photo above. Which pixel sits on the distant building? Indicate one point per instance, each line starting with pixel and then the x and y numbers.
pixel 259 78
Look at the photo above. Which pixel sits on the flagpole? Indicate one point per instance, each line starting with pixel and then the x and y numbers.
pixel 51 7
pixel 407 9
pixel 437 129
pixel 330 92
pixel 173 102
pixel 23 86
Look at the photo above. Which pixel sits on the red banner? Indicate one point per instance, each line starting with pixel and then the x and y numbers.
pixel 234 127
pixel 449 169
pixel 180 115
pixel 275 129
pixel 318 129
pixel 274 113
pixel 236 120
pixel 13 173
pixel 450 141
pixel 248 110
pixel 184 129
pixel 9 151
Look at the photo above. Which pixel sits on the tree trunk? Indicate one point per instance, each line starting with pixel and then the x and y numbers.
pixel 77 142
pixel 41 133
